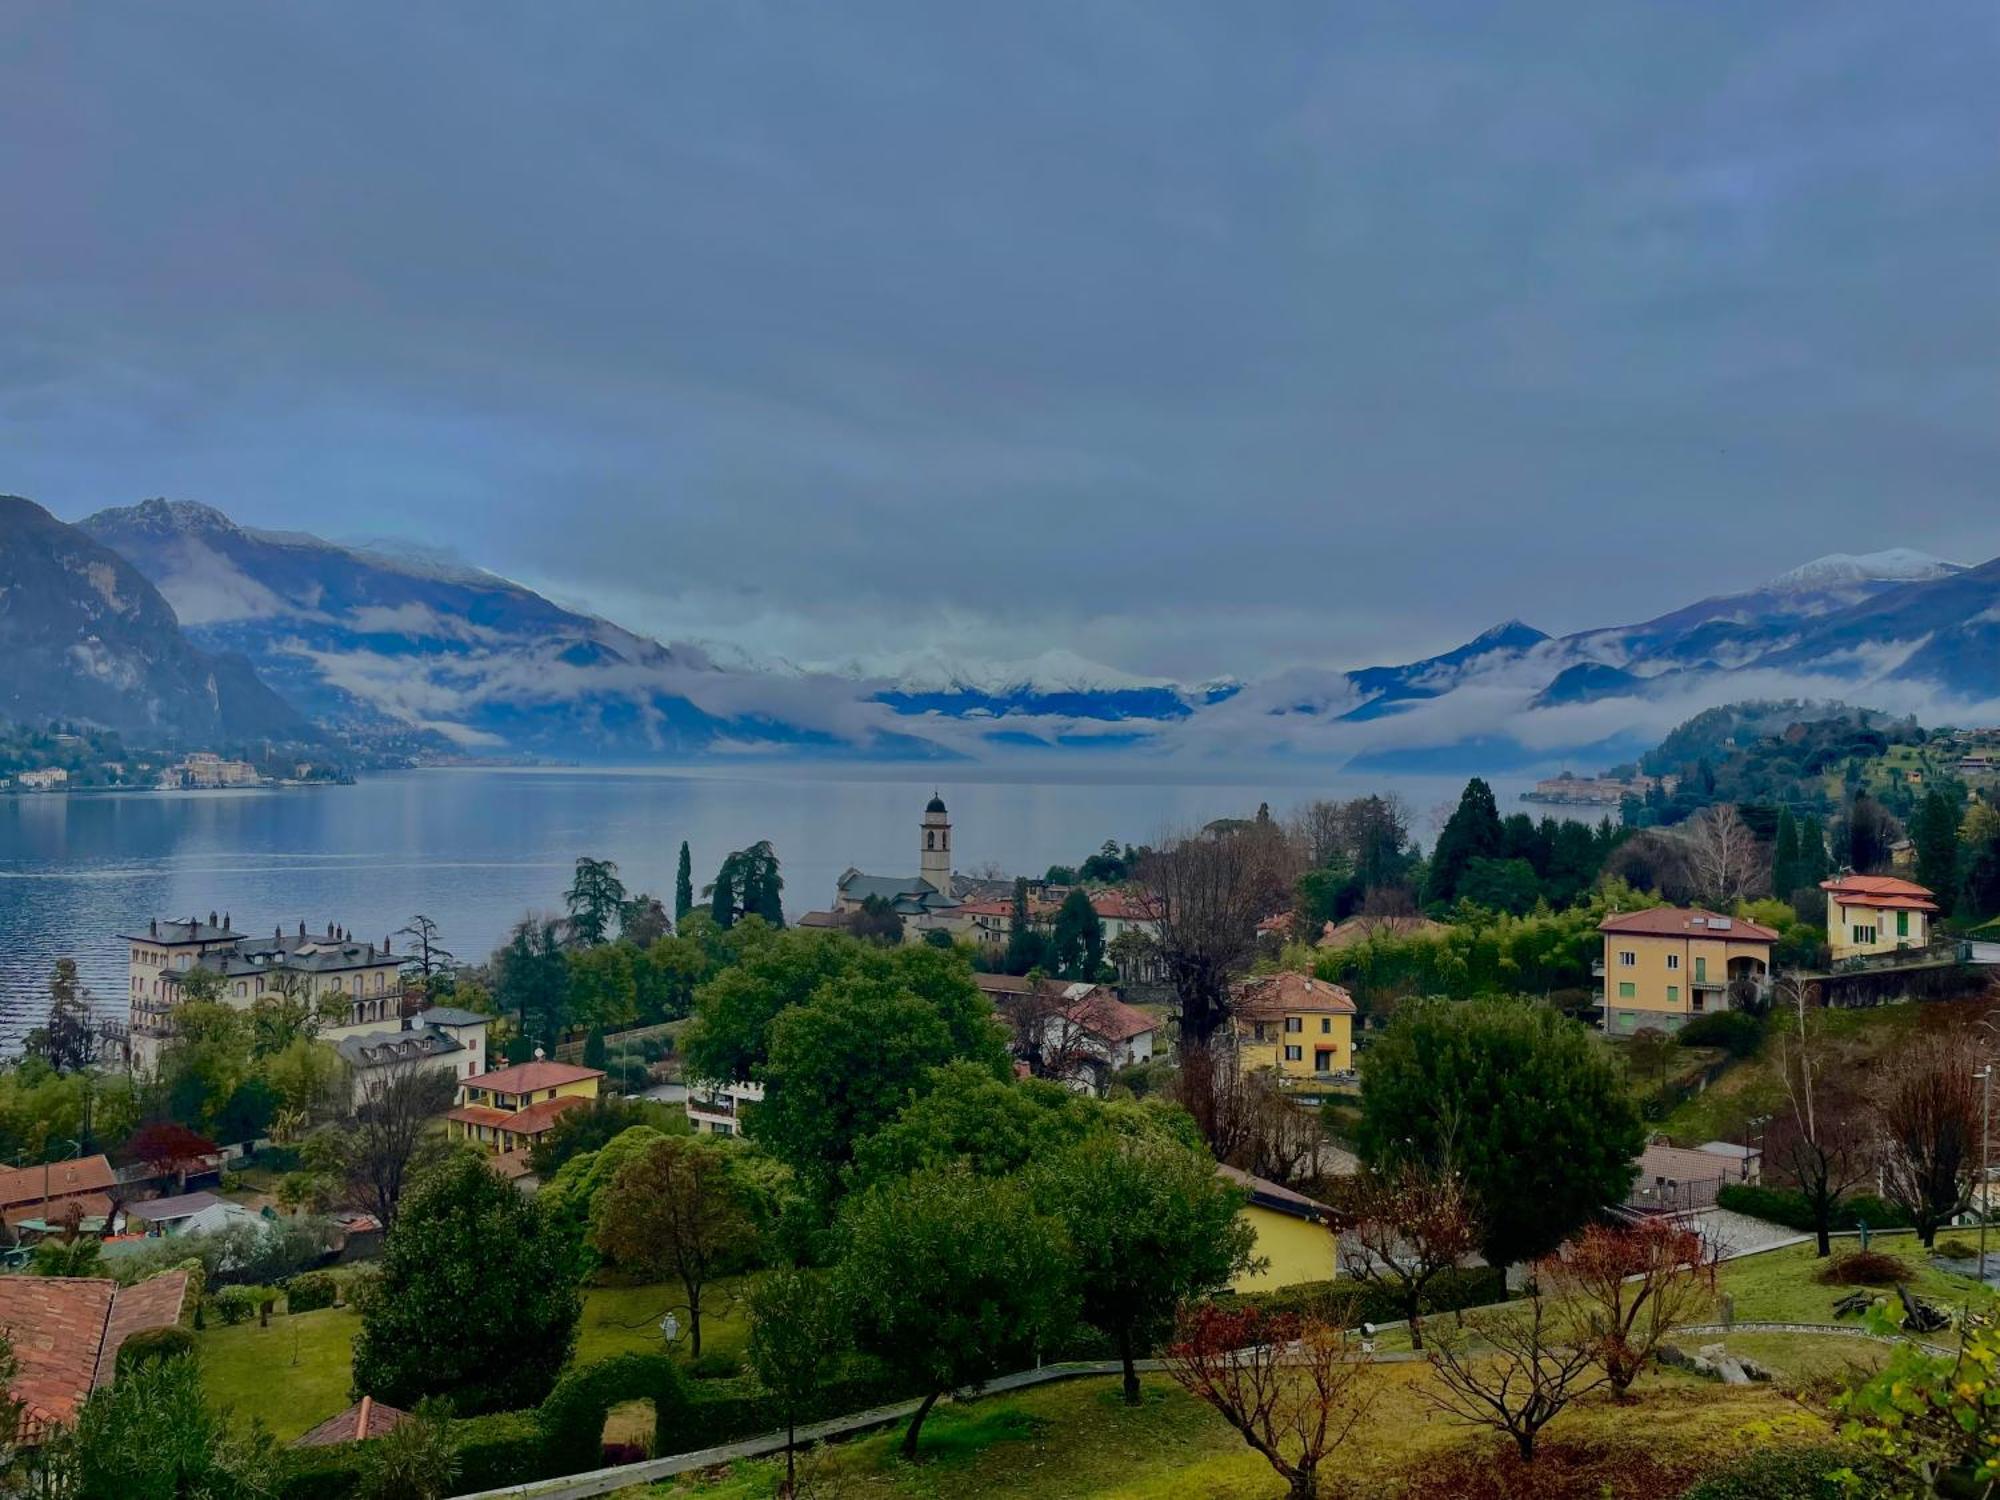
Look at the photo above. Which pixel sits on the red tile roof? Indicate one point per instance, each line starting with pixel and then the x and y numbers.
pixel 530 1077
pixel 90 1205
pixel 1102 1013
pixel 1275 995
pixel 66 1332
pixel 541 1116
pixel 59 1179
pixel 1693 921
pixel 367 1418
pixel 1880 892
pixel 1125 906
pixel 479 1114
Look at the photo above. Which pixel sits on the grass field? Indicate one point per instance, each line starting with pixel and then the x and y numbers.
pixel 1778 1286
pixel 295 1374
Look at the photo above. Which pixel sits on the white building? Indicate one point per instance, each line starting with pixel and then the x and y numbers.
pixel 451 1040
pixel 717 1109
pixel 924 901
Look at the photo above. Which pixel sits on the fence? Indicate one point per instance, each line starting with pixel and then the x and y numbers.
pixel 1666 1196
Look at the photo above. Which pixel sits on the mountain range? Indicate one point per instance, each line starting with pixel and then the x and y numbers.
pixel 169 615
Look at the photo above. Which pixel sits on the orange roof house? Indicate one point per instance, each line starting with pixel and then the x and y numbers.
pixel 511 1108
pixel 1666 966
pixel 1868 914
pixel 66 1332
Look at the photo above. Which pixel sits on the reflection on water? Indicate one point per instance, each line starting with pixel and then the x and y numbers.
pixel 475 848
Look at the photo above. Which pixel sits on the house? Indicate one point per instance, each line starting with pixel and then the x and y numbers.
pixel 513 1108
pixel 1666 966
pixel 1876 914
pixel 443 1037
pixel 924 901
pixel 46 1192
pixel 1296 1236
pixel 66 1333
pixel 360 981
pixel 1679 1179
pixel 1078 1033
pixel 717 1108
pixel 1360 929
pixel 1297 1026
pixel 1130 913
pixel 365 1419
pixel 54 779
pixel 168 1216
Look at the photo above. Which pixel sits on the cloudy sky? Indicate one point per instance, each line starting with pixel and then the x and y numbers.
pixel 1193 339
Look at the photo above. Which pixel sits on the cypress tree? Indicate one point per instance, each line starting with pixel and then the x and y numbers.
pixel 683 886
pixel 1785 857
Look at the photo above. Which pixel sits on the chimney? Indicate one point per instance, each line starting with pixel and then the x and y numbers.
pixel 211 916
pixel 302 929
pixel 225 919
pixel 385 947
pixel 152 927
pixel 329 929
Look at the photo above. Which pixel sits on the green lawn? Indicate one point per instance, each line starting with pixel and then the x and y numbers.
pixel 295 1374
pixel 1778 1286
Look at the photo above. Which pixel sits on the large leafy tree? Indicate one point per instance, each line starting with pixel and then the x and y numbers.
pixel 477 1300
pixel 531 978
pixel 1472 832
pixel 595 897
pixel 965 1114
pixel 952 1279
pixel 734 1010
pixel 1150 1226
pixel 1936 834
pixel 1525 1104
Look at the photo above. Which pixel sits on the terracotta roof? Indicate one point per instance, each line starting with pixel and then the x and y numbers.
pixel 1275 995
pixel 1267 1194
pixel 1003 984
pixel 66 1332
pixel 367 1418
pixel 90 1205
pixel 540 1116
pixel 1882 892
pixel 1126 906
pixel 821 919
pixel 59 1179
pixel 478 1114
pixel 1103 1014
pixel 512 1165
pixel 1360 929
pixel 528 1077
pixel 1692 921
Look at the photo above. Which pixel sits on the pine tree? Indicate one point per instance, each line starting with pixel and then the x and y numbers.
pixel 683 887
pixel 1936 835
pixel 1473 832
pixel 1785 857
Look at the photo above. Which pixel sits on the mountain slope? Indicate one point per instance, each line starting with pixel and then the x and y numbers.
pixel 85 636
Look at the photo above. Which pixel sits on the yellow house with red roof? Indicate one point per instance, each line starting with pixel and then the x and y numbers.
pixel 1876 914
pixel 1297 1026
pixel 1666 966
pixel 509 1110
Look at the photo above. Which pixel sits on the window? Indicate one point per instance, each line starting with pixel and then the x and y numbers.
pixel 1700 970
pixel 1257 1031
pixel 1902 924
pixel 1673 994
pixel 1625 1020
pixel 1627 990
pixel 1627 959
pixel 1864 934
pixel 1294 1025
pixel 1322 1059
pixel 1294 1054
pixel 1673 960
pixel 1326 1025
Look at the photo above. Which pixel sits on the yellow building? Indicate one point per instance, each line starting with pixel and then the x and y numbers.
pixel 1664 967
pixel 1295 1235
pixel 1876 914
pixel 1297 1026
pixel 510 1109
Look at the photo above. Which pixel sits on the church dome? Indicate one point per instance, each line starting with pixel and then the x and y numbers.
pixel 935 805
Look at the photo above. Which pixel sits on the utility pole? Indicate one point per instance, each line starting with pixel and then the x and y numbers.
pixel 1985 1148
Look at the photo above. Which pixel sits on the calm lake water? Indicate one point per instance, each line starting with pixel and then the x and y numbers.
pixel 476 848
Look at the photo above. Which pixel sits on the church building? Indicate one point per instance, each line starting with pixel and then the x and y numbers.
pixel 924 901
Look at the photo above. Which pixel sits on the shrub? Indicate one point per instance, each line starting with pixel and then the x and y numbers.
pixel 716 1365
pixel 1476 1286
pixel 1783 1206
pixel 1736 1032
pixel 311 1291
pixel 1863 1268
pixel 236 1304
pixel 152 1344
pixel 572 1418
pixel 1788 1474
pixel 1955 1250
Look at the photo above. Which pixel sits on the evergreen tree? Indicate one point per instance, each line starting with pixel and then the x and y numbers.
pixel 1473 832
pixel 596 896
pixel 1026 948
pixel 1785 857
pixel 1815 864
pixel 1078 948
pixel 722 894
pixel 683 887
pixel 1936 835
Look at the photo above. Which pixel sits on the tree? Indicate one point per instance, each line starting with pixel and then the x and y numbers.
pixel 1724 854
pixel 1625 1289
pixel 170 1150
pixel 430 963
pixel 152 1435
pixel 477 1299
pixel 1525 1103
pixel 797 1332
pixel 1929 1115
pixel 1290 1385
pixel 67 1041
pixel 1027 949
pixel 1207 892
pixel 877 922
pixel 603 986
pixel 1936 835
pixel 577 1132
pixel 388 1139
pixel 1150 1226
pixel 595 897
pixel 683 887
pixel 1405 1228
pixel 1868 834
pixel 1785 856
pixel 1819 1140
pixel 417 1459
pixel 643 921
pixel 951 1279
pixel 1472 832
pixel 1649 1054
pixel 1513 1370
pixel 531 978
pixel 995 1126
pixel 749 884
pixel 772 973
pixel 1078 946
pixel 673 1212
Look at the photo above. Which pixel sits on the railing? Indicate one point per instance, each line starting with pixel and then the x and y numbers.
pixel 1671 1197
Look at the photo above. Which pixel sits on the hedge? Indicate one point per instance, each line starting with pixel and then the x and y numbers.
pixel 1471 1286
pixel 1789 1208
pixel 493 1451
pixel 310 1291
pixel 1788 1474
pixel 572 1416
pixel 151 1345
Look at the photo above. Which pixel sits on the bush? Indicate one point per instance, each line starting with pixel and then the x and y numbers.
pixel 1475 1286
pixel 1783 1206
pixel 716 1365
pixel 237 1304
pixel 571 1419
pixel 1955 1250
pixel 311 1291
pixel 1736 1032
pixel 151 1344
pixel 1787 1474
pixel 1863 1268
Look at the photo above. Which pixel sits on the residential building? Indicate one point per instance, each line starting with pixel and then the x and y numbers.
pixel 1079 1034
pixel 52 779
pixel 717 1108
pixel 442 1037
pixel 168 1216
pixel 66 1333
pixel 511 1109
pixel 1360 928
pixel 1666 966
pixel 1296 1236
pixel 46 1191
pixel 208 771
pixel 1876 914
pixel 1683 1179
pixel 362 980
pixel 1299 1027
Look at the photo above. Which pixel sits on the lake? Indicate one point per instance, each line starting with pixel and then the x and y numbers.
pixel 474 849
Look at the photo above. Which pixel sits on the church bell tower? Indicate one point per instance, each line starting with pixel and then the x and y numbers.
pixel 935 864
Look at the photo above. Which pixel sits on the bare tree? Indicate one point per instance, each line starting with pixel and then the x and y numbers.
pixel 1819 1141
pixel 1513 1369
pixel 1050 1035
pixel 1293 1387
pixel 1627 1288
pixel 1406 1229
pixel 1928 1111
pixel 1246 1118
pixel 1725 856
pixel 1207 892
pixel 388 1139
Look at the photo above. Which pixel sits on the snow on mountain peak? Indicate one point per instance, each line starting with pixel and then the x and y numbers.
pixel 1892 565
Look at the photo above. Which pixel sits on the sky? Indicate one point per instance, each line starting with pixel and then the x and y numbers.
pixel 1191 339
